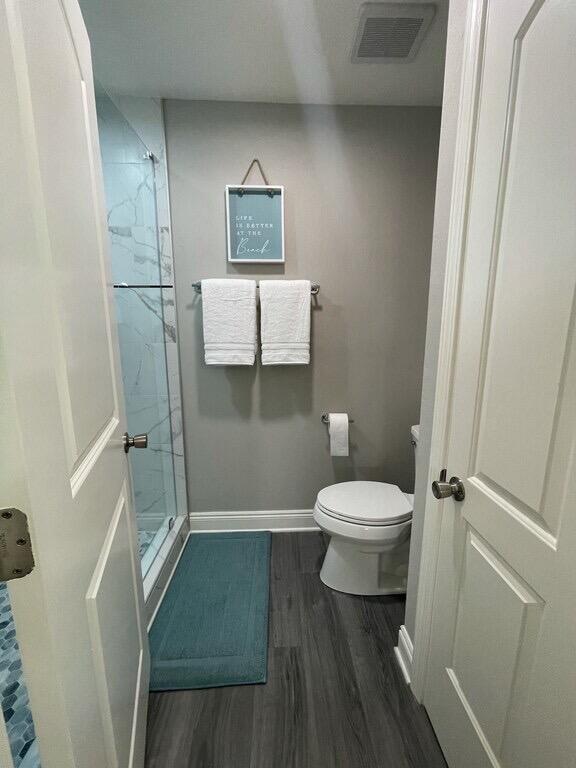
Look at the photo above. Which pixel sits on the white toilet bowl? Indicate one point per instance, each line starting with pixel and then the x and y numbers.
pixel 369 527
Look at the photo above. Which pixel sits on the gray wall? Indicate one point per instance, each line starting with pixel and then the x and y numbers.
pixel 359 208
pixel 450 106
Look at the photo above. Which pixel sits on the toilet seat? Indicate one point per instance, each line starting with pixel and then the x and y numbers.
pixel 365 503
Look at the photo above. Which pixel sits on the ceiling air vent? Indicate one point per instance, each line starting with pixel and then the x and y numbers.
pixel 391 31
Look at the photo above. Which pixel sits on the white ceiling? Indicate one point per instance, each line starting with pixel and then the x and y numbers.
pixel 254 50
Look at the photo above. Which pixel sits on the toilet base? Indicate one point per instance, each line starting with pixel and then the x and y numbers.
pixel 357 568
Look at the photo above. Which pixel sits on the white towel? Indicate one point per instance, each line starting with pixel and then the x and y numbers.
pixel 229 316
pixel 285 322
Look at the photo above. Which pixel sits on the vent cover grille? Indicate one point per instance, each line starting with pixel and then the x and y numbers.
pixel 387 38
pixel 391 31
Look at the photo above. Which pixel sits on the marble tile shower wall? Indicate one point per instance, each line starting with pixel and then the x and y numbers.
pixel 143 334
pixel 141 252
pixel 147 118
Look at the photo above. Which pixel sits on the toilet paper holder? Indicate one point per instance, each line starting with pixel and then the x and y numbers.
pixel 325 419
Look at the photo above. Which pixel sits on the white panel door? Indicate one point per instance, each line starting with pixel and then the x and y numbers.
pixel 501 688
pixel 80 614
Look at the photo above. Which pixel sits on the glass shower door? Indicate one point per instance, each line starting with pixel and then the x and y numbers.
pixel 144 307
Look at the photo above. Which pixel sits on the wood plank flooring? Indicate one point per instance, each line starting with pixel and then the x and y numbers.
pixel 335 697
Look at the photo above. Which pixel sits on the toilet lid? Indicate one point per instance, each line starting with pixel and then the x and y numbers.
pixel 365 502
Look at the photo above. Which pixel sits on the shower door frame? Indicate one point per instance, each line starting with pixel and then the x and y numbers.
pixel 156 576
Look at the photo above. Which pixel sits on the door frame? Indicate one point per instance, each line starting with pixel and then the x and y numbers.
pixel 464 149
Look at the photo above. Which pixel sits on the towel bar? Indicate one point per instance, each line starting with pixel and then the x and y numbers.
pixel 314 287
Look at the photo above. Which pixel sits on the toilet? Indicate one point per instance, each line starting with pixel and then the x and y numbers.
pixel 369 527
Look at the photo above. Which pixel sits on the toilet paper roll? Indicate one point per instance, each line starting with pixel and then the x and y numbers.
pixel 338 430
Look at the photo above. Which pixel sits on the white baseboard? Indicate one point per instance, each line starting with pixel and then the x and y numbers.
pixel 404 651
pixel 266 520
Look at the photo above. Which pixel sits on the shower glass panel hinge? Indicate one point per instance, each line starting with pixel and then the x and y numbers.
pixel 16 558
pixel 151 156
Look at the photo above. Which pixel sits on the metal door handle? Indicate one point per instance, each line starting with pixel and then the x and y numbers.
pixel 138 441
pixel 442 490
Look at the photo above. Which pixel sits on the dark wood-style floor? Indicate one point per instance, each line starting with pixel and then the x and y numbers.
pixel 335 697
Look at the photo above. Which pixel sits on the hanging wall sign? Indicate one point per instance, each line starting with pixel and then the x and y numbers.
pixel 255 224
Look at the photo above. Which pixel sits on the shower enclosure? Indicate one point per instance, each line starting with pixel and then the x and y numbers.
pixel 136 191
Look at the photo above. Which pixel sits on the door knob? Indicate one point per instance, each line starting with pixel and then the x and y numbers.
pixel 138 441
pixel 442 490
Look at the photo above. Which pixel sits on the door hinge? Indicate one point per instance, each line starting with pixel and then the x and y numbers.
pixel 16 558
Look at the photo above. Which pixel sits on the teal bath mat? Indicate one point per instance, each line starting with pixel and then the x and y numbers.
pixel 212 627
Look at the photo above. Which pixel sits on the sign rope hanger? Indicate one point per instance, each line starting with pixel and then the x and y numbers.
pixel 254 162
pixel 255 220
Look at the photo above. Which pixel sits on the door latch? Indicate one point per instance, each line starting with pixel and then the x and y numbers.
pixel 442 490
pixel 16 558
